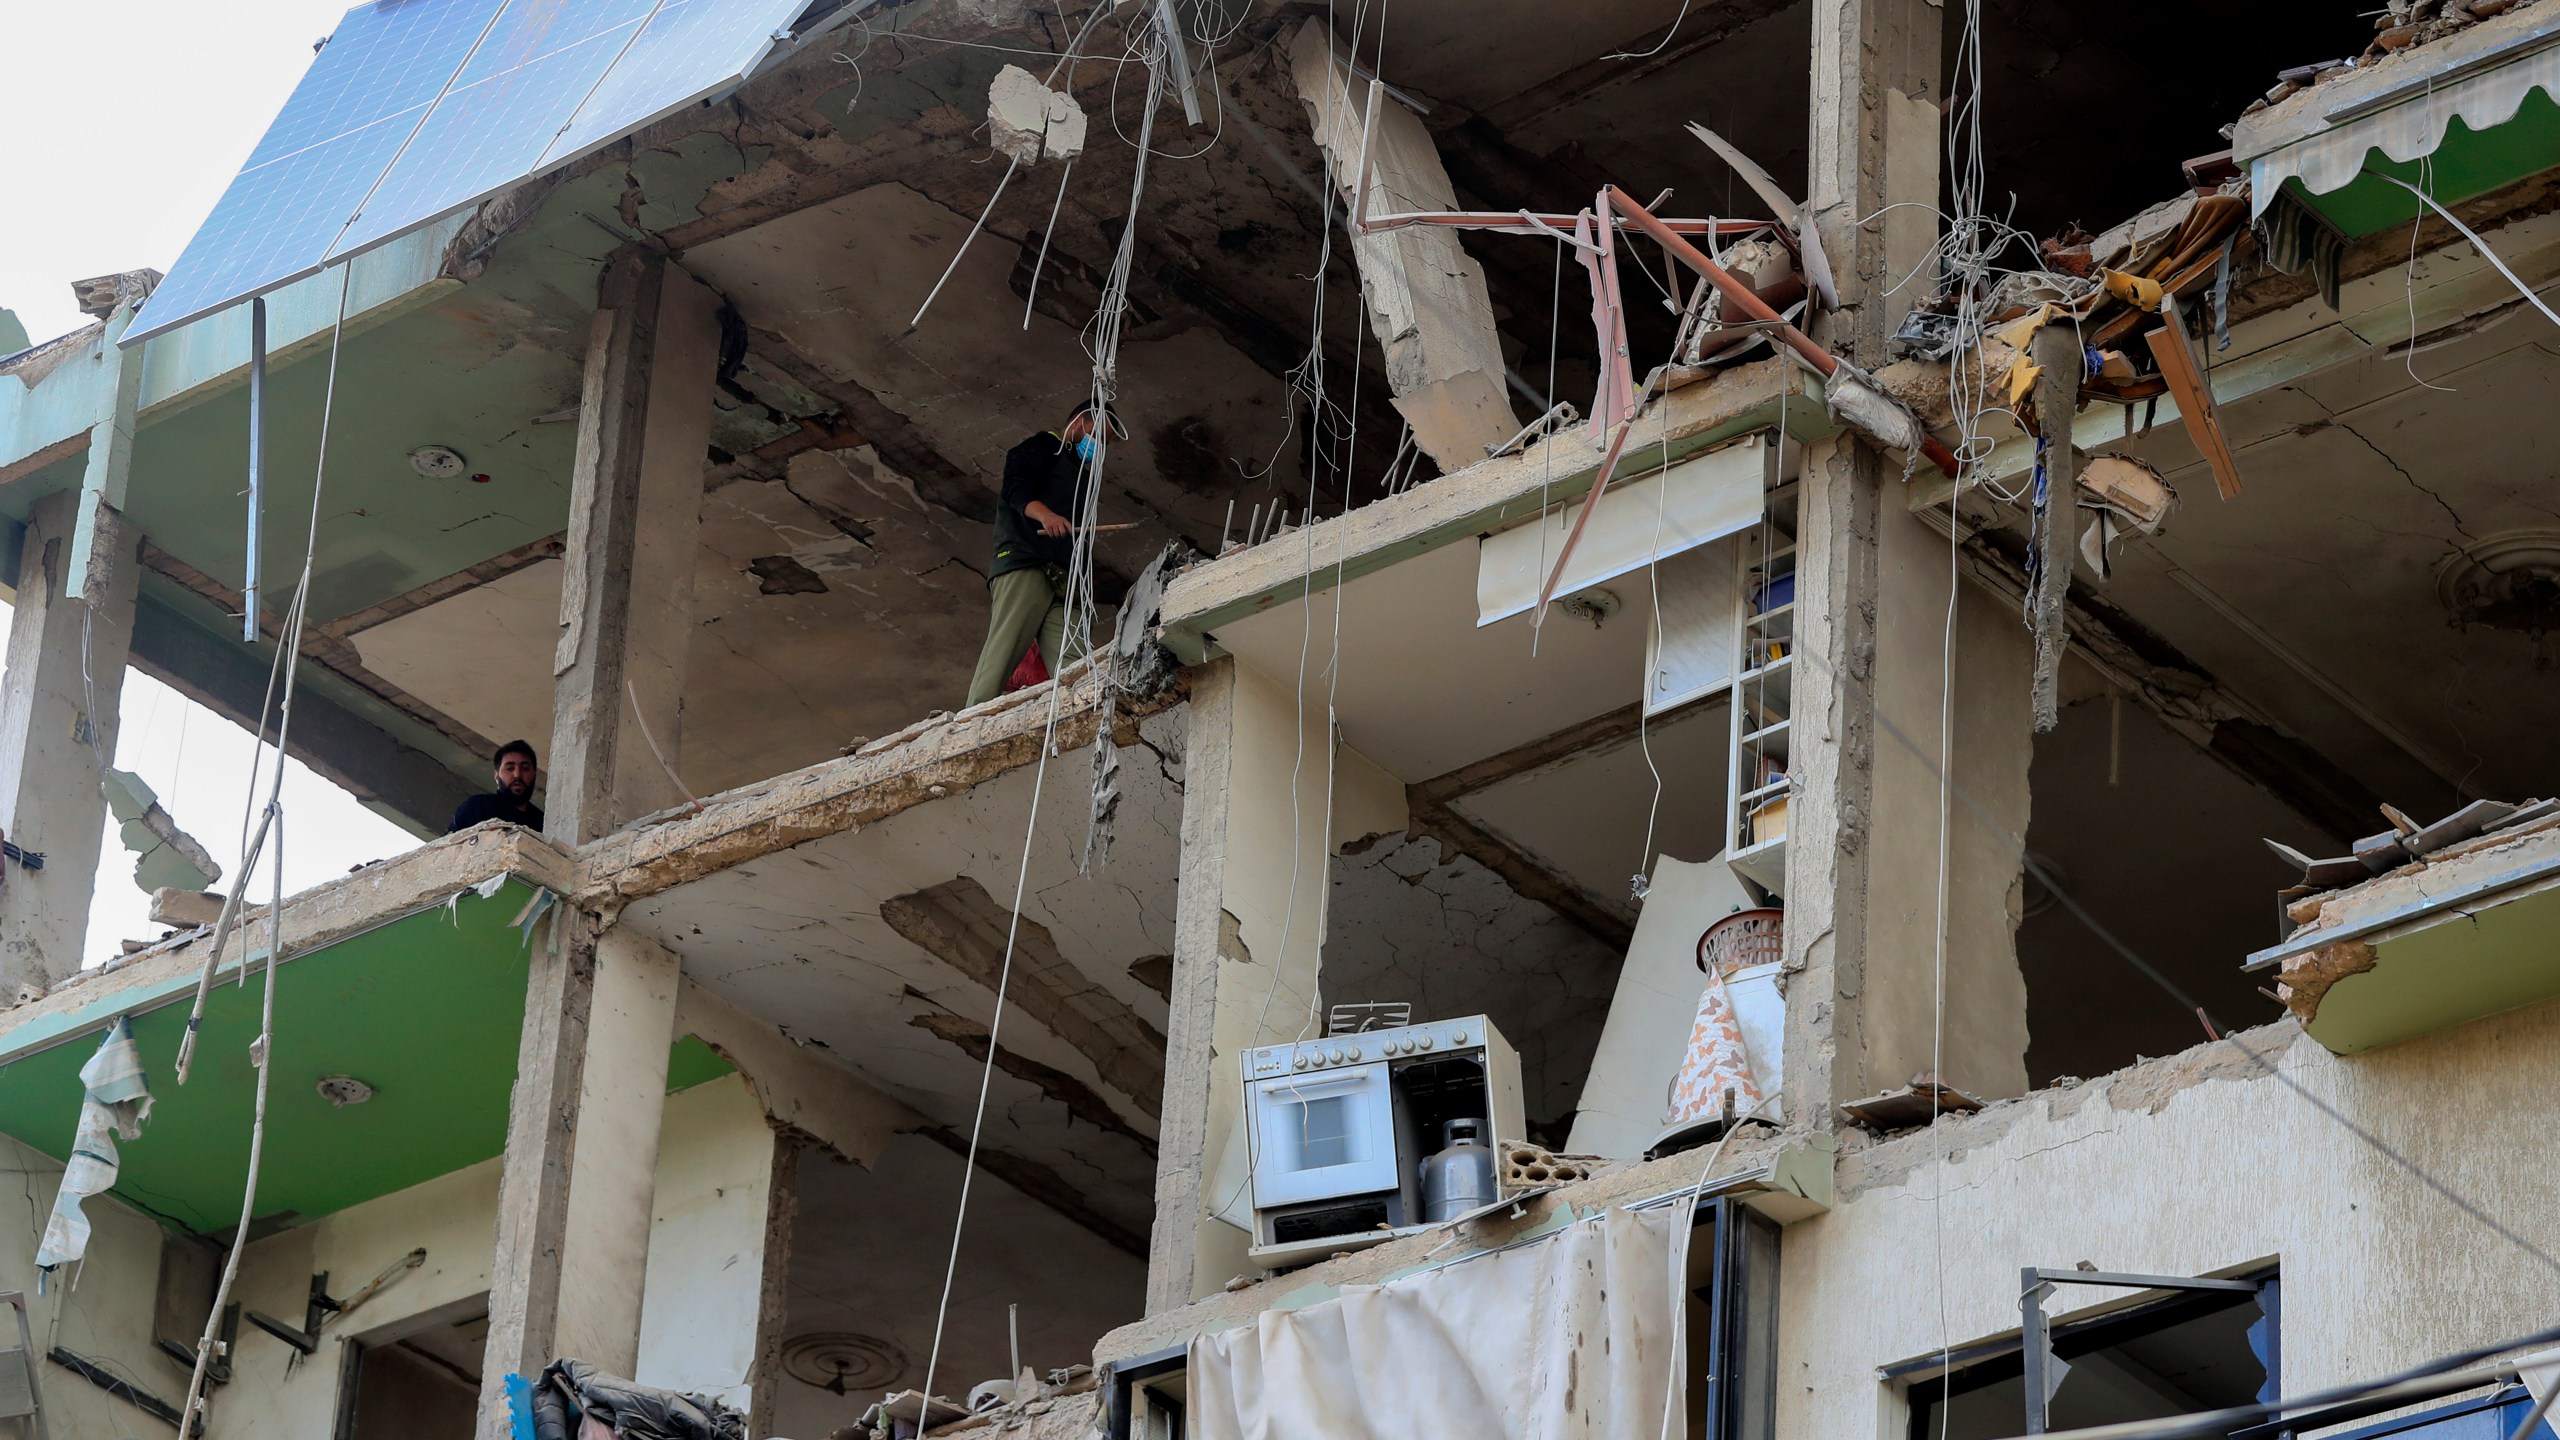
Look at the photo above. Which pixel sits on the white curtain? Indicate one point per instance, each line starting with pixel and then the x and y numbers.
pixel 1575 1337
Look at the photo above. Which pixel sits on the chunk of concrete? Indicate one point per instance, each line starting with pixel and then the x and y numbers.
pixel 1028 122
pixel 185 909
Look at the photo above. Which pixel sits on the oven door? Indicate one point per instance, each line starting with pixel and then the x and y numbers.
pixel 1320 1136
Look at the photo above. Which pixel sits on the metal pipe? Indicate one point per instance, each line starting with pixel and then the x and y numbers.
pixel 257 464
pixel 1742 298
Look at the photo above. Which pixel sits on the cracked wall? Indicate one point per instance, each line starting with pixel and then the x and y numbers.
pixel 1412 922
pixel 2200 1163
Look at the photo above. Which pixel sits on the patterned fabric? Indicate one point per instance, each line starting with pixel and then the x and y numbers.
pixel 1717 1065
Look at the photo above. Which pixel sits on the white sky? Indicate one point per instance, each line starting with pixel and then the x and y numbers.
pixel 119 153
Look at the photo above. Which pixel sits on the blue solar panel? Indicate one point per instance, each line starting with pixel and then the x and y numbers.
pixel 417 108
pixel 363 95
pixel 689 50
pixel 518 89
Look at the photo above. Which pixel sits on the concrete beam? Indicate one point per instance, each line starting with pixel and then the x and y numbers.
pixel 635 516
pixel 925 762
pixel 1426 296
pixel 1490 494
pixel 59 697
pixel 1528 877
pixel 2189 700
pixel 413 775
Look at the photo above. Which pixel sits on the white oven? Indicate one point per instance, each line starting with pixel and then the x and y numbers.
pixel 1323 1135
pixel 1339 1128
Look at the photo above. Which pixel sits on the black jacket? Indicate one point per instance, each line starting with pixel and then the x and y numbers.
pixel 495 805
pixel 1046 469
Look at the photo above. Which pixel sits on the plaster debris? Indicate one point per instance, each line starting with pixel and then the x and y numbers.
pixel 167 857
pixel 1028 122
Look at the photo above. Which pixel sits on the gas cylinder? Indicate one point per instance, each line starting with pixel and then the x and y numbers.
pixel 1460 1177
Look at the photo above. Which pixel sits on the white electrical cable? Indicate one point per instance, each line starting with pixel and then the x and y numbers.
pixel 1104 336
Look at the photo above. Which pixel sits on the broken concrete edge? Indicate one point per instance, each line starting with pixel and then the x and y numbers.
pixel 1871 1164
pixel 1785 1173
pixel 1788 1174
pixel 2457 881
pixel 2352 93
pixel 928 761
pixel 314 919
pixel 1494 494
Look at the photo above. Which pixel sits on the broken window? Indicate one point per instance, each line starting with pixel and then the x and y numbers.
pixel 2165 1351
pixel 416 1380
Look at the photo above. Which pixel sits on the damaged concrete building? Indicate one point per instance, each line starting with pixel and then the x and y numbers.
pixel 1795 717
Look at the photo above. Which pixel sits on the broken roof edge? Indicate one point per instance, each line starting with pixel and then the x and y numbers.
pixel 934 758
pixel 314 919
pixel 2396 80
pixel 2458 881
pixel 1493 494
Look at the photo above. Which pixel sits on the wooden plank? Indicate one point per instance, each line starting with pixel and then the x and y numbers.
pixel 2185 374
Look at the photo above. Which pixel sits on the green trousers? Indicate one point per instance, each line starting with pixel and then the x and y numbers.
pixel 1021 605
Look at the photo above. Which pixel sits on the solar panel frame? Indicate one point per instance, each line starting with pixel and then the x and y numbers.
pixel 699 47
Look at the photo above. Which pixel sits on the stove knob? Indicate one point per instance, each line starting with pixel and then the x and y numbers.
pixel 1457 1037
pixel 1355 1052
pixel 1298 1062
pixel 1335 1056
pixel 1424 1042
pixel 1407 1046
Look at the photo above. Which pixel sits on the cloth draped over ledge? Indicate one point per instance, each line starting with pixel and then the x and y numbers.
pixel 1577 1336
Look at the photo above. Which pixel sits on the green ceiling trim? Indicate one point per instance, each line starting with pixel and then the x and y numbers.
pixel 426 1009
pixel 2465 163
pixel 2468 964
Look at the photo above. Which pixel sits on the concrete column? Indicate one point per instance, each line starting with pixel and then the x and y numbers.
pixel 51 712
pixel 1426 298
pixel 635 515
pixel 1199 923
pixel 1248 944
pixel 1872 591
pixel 574 1218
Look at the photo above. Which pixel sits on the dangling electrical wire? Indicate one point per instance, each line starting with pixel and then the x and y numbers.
pixel 1103 344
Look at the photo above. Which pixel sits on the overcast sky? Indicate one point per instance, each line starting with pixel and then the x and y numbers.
pixel 130 122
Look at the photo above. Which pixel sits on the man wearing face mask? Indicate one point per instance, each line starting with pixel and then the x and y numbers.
pixel 1047 480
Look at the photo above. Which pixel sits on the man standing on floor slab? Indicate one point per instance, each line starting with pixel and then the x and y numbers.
pixel 511 801
pixel 1047 480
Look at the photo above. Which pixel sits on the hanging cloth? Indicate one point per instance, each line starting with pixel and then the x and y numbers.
pixel 116 1100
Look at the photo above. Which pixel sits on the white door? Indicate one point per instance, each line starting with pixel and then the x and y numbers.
pixel 1319 1136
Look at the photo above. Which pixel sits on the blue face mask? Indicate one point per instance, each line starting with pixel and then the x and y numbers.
pixel 1084 448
